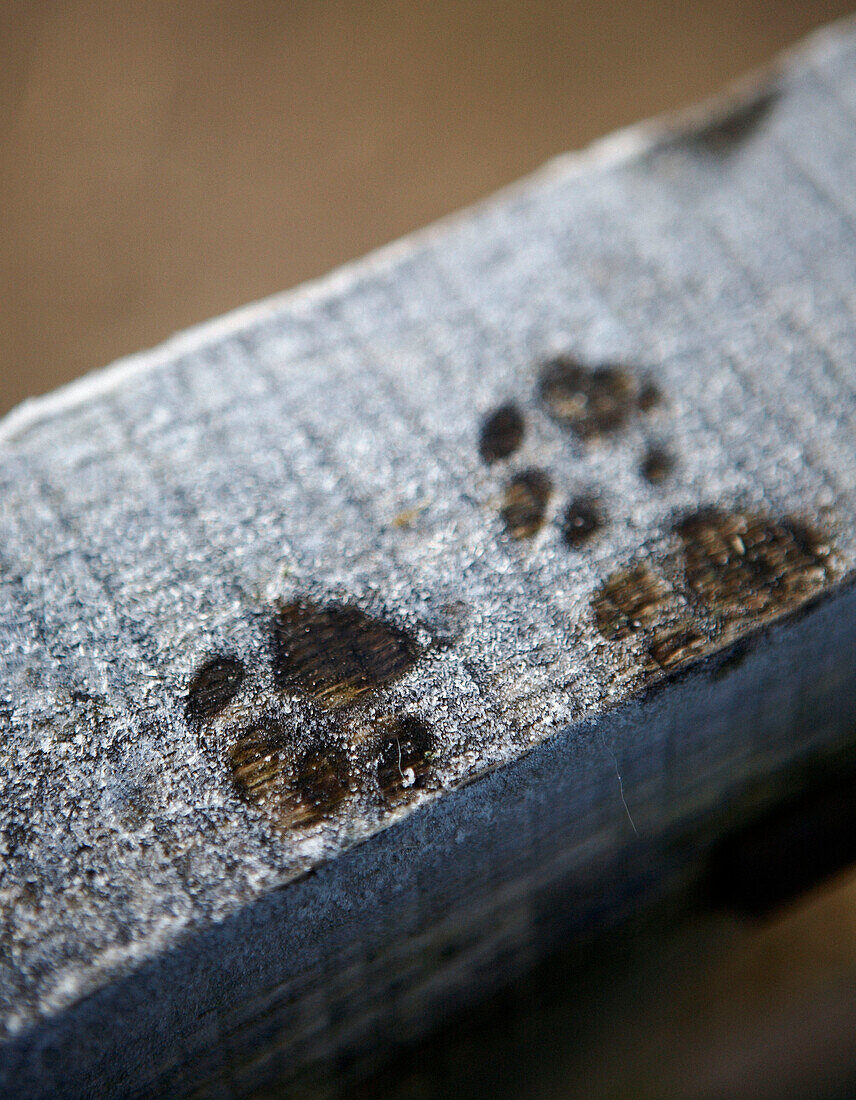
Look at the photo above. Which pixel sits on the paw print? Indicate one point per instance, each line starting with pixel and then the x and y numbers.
pixel 728 570
pixel 590 404
pixel 324 736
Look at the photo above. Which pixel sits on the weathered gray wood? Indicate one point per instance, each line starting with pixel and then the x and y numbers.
pixel 360 646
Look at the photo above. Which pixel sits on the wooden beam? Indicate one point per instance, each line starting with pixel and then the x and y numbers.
pixel 361 647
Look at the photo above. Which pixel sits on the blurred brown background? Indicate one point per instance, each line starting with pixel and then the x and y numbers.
pixel 162 162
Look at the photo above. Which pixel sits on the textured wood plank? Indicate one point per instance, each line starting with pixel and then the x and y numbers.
pixel 360 647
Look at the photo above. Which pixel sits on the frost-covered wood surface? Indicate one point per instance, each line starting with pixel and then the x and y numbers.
pixel 359 646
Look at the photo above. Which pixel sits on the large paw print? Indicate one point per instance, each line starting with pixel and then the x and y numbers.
pixel 325 735
pixel 730 570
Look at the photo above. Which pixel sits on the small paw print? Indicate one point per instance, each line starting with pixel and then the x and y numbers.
pixel 590 404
